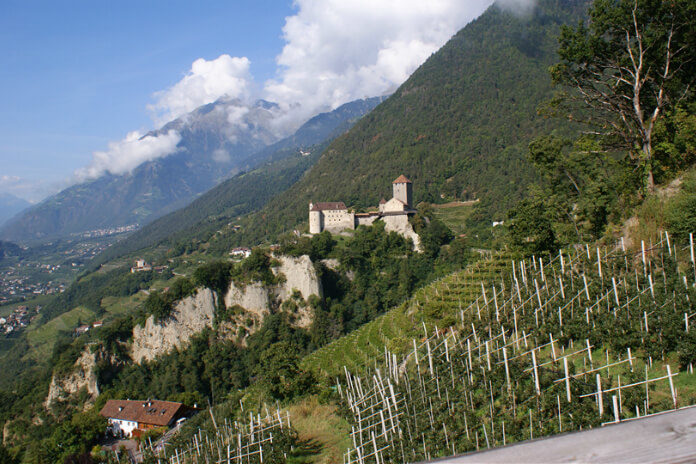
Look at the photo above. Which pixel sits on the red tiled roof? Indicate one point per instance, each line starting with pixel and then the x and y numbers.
pixel 401 180
pixel 151 412
pixel 323 206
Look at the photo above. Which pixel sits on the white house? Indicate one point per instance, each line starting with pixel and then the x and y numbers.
pixel 128 417
pixel 241 252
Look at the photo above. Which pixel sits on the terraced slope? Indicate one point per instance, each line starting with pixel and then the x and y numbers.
pixel 437 305
pixel 588 337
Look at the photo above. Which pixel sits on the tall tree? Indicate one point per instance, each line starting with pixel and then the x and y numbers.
pixel 624 68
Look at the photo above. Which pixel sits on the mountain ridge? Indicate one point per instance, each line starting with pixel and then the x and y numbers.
pixel 10 205
pixel 459 127
pixel 211 150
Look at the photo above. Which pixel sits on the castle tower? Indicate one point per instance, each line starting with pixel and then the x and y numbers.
pixel 314 219
pixel 403 190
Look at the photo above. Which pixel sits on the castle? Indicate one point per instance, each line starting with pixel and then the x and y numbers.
pixel 336 218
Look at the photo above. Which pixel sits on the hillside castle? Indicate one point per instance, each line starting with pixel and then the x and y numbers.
pixel 336 218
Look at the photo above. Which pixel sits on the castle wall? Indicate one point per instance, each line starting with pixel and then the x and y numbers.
pixel 336 221
pixel 365 220
pixel 393 205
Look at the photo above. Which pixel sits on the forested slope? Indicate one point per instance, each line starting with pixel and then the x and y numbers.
pixel 246 192
pixel 458 127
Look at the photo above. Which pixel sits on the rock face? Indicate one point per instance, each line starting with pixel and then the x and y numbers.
pixel 299 275
pixel 83 375
pixel 257 300
pixel 254 298
pixel 400 225
pixel 190 316
pixel 249 305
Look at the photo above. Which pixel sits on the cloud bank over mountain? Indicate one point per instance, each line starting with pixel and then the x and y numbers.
pixel 335 52
pixel 127 154
pixel 338 51
pixel 205 82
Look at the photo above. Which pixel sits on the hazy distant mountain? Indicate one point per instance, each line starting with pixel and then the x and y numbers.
pixel 8 249
pixel 285 162
pixel 11 205
pixel 218 140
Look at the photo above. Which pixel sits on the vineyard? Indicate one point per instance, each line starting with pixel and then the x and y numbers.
pixel 591 336
pixel 508 350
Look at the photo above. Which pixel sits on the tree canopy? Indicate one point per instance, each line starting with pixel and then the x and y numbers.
pixel 624 68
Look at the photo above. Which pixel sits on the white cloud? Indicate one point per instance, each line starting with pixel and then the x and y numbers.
pixel 206 81
pixel 337 51
pixel 8 180
pixel 521 7
pixel 125 155
pixel 221 156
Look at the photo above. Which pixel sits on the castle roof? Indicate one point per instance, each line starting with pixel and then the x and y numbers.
pixel 323 206
pixel 401 180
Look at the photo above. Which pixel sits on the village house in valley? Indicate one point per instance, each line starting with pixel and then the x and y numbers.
pixel 128 417
pixel 336 218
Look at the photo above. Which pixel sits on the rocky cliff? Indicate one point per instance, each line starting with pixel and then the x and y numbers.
pixel 299 275
pixel 190 316
pixel 299 281
pixel 248 305
pixel 83 375
pixel 400 225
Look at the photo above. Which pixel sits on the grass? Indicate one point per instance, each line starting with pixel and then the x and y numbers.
pixel 454 215
pixel 43 338
pixel 115 305
pixel 324 435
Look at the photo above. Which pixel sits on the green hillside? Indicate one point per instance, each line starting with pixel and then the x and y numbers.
pixel 459 127
pixel 278 166
pixel 217 208
pixel 578 312
pixel 509 349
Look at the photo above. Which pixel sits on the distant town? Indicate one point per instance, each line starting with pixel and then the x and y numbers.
pixel 107 232
pixel 19 282
pixel 18 319
pixel 46 272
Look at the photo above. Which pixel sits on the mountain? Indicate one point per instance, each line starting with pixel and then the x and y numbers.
pixel 209 150
pixel 459 127
pixel 8 249
pixel 217 140
pixel 286 161
pixel 11 205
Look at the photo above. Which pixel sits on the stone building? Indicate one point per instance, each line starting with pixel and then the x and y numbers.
pixel 336 218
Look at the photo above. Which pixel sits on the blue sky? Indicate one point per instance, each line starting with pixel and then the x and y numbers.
pixel 80 80
pixel 77 74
